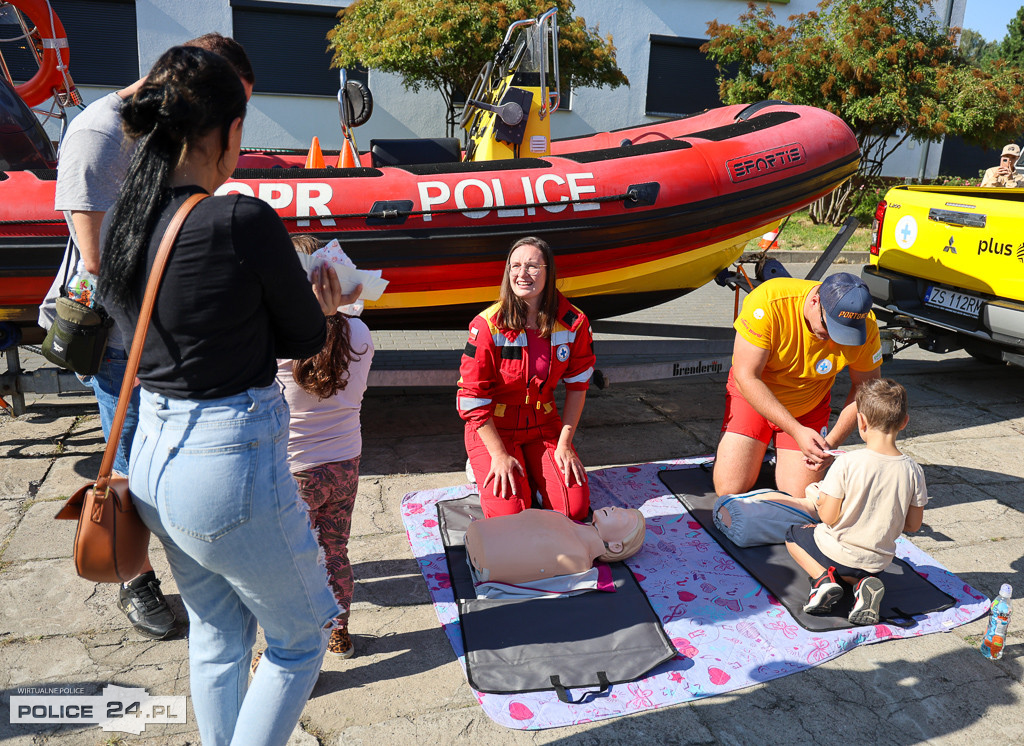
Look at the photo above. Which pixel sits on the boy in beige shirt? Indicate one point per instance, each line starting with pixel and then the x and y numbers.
pixel 867 499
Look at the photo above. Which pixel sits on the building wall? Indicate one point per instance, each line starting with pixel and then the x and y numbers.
pixel 291 121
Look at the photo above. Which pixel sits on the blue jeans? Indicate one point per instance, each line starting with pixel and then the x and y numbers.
pixel 211 480
pixel 106 384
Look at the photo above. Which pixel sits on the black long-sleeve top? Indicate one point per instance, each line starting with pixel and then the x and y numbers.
pixel 234 298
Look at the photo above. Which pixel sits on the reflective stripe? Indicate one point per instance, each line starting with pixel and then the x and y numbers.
pixel 500 340
pixel 467 402
pixel 562 338
pixel 499 410
pixel 584 376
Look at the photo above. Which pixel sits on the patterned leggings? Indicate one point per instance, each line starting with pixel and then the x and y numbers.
pixel 330 492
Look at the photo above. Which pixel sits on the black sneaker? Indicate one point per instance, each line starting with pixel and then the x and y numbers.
pixel 868 592
pixel 825 591
pixel 146 607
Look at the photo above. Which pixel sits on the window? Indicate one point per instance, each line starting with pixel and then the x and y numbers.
pixel 680 78
pixel 102 38
pixel 287 44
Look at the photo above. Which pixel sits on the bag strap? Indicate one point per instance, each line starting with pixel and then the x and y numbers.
pixel 562 692
pixel 70 252
pixel 141 327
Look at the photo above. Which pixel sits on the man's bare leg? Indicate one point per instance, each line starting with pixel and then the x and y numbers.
pixel 737 463
pixel 793 476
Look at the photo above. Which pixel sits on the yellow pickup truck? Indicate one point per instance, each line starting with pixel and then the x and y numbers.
pixel 947 269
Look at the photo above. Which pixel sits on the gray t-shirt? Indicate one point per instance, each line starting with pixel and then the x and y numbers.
pixel 92 162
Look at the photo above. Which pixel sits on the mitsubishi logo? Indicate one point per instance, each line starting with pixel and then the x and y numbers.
pixel 950 246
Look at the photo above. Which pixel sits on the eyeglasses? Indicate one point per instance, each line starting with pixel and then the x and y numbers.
pixel 531 269
pixel 823 324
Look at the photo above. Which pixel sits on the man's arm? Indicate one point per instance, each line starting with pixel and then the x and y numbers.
pixel 748 363
pixel 87 230
pixel 848 417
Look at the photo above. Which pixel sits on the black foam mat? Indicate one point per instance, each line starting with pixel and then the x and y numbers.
pixel 578 642
pixel 907 594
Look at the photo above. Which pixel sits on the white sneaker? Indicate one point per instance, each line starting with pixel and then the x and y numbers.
pixel 825 591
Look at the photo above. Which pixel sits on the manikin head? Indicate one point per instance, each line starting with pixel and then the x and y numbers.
pixel 622 531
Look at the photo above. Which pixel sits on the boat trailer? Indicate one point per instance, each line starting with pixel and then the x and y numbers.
pixel 630 352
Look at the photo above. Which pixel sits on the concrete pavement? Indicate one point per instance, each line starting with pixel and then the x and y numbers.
pixel 405 686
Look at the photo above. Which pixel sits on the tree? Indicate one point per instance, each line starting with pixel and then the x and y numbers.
pixel 444 44
pixel 1011 49
pixel 886 67
pixel 975 50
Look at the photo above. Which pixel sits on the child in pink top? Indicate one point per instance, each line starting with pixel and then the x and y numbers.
pixel 324 395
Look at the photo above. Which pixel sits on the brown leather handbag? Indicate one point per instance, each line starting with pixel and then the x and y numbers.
pixel 112 542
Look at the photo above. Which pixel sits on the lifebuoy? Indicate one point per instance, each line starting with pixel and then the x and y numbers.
pixel 55 52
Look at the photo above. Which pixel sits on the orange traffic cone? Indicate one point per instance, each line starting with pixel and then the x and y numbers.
pixel 315 157
pixel 768 240
pixel 347 158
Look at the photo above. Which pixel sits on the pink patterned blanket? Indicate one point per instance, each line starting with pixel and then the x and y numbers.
pixel 729 631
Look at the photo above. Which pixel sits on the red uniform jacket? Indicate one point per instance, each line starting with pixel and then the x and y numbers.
pixel 496 360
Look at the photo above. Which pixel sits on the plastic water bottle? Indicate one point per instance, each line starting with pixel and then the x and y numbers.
pixel 82 288
pixel 995 637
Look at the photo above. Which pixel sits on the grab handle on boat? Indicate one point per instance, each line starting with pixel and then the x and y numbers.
pixel 753 109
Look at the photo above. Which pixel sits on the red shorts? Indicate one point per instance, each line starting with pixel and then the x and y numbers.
pixel 743 419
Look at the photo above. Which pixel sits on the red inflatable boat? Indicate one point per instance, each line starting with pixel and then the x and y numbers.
pixel 636 217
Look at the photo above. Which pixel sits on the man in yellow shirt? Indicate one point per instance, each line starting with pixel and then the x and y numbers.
pixel 792 338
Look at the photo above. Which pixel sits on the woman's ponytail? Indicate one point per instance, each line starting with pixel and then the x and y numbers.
pixel 188 93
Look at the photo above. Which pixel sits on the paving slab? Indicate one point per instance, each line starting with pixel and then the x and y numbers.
pixel 983 460
pixel 39 536
pixel 1008 493
pixel 615 445
pixel 379 497
pixel 405 667
pixel 386 573
pixel 29 443
pixel 10 516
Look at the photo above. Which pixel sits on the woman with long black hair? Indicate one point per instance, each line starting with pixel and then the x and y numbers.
pixel 208 466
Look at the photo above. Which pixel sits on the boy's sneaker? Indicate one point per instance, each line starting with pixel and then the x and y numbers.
pixel 868 592
pixel 340 645
pixel 146 607
pixel 825 591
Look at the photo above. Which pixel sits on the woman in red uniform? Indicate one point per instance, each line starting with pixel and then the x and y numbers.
pixel 518 350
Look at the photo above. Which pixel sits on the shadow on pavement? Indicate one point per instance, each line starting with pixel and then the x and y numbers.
pixel 911 701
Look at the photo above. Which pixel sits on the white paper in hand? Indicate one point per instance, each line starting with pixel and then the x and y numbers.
pixel 332 255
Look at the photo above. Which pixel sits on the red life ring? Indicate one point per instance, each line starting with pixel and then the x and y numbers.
pixel 55 52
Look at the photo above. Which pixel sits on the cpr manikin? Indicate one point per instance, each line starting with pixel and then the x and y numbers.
pixel 539 544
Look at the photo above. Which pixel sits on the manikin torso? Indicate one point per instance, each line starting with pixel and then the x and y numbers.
pixel 531 545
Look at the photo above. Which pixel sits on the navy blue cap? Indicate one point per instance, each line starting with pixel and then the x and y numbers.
pixel 846 303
